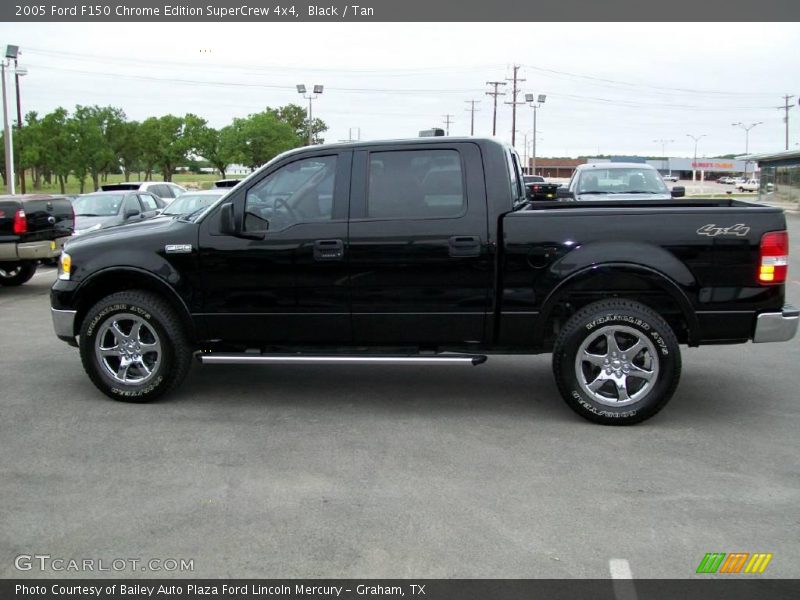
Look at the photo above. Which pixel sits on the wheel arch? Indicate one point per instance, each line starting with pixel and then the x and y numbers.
pixel 592 283
pixel 112 280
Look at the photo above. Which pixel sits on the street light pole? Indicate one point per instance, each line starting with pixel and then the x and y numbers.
pixel 696 139
pixel 301 89
pixel 8 136
pixel 664 151
pixel 747 129
pixel 540 99
pixel 19 72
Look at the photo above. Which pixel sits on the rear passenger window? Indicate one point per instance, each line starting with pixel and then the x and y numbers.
pixel 161 190
pixel 415 184
pixel 148 202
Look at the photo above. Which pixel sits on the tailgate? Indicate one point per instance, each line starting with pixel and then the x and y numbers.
pixel 48 218
pixel 7 210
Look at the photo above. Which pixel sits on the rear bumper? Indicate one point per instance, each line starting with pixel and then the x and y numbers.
pixel 777 326
pixel 32 250
pixel 64 324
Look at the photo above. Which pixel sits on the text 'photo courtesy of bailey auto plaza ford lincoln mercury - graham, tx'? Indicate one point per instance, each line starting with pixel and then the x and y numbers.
pixel 442 300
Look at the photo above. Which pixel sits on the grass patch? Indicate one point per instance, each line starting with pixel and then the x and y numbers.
pixel 189 180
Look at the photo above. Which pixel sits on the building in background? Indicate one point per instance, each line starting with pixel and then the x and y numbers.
pixel 779 175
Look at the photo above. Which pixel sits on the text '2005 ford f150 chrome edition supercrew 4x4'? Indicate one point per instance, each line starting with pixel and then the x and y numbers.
pixel 418 252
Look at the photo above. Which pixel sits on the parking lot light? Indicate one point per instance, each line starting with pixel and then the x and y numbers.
pixel 301 89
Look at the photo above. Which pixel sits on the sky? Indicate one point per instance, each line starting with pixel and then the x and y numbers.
pixel 612 88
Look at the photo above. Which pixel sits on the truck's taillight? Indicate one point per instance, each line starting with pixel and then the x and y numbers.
pixel 774 259
pixel 20 222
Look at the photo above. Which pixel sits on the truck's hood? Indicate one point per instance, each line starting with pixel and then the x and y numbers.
pixel 664 196
pixel 136 228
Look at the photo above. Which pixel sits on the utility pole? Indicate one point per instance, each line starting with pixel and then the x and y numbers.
pixel 447 122
pixel 494 95
pixel 514 91
pixel 472 110
pixel 786 106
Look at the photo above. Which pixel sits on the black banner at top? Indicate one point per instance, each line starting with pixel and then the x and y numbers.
pixel 332 11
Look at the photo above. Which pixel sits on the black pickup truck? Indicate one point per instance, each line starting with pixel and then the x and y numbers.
pixel 33 227
pixel 424 252
pixel 537 188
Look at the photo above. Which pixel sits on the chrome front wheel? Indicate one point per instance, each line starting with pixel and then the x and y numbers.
pixel 128 349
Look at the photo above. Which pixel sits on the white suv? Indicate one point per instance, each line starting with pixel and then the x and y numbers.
pixel 165 190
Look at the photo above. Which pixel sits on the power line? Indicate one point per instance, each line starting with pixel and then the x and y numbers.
pixel 514 91
pixel 644 85
pixel 293 69
pixel 417 91
pixel 471 111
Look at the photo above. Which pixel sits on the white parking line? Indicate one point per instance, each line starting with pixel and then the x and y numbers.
pixel 47 272
pixel 622 577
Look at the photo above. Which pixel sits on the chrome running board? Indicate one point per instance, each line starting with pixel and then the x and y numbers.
pixel 250 358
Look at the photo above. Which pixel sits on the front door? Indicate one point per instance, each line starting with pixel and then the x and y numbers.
pixel 291 286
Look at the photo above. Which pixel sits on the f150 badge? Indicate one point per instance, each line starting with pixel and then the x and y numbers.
pixel 178 248
pixel 712 230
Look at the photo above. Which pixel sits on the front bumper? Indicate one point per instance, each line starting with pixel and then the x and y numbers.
pixel 32 250
pixel 777 326
pixel 64 324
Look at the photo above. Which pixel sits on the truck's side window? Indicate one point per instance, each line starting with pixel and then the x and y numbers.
pixel 300 192
pixel 415 184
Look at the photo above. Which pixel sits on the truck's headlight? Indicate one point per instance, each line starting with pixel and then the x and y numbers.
pixel 65 266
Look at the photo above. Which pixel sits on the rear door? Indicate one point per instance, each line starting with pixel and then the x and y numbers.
pixel 420 265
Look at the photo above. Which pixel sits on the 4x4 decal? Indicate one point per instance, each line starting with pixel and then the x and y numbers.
pixel 712 230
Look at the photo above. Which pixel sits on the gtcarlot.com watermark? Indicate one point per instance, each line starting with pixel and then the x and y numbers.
pixel 58 564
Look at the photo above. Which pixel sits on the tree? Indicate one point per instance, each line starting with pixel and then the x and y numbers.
pixel 56 145
pixel 260 137
pixel 297 117
pixel 217 146
pixel 91 127
pixel 126 143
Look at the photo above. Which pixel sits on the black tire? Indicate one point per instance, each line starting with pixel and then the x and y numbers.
pixel 648 375
pixel 13 274
pixel 160 328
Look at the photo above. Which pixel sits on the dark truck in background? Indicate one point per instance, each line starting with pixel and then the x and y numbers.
pixel 425 252
pixel 32 228
pixel 536 188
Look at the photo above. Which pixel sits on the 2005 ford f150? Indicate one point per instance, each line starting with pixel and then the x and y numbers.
pixel 424 251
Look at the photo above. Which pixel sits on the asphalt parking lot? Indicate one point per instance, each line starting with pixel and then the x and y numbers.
pixel 391 472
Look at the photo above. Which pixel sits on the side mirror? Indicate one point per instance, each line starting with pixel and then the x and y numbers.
pixel 564 193
pixel 131 213
pixel 678 191
pixel 228 225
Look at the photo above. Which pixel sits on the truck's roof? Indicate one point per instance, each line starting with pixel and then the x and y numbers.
pixel 403 141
